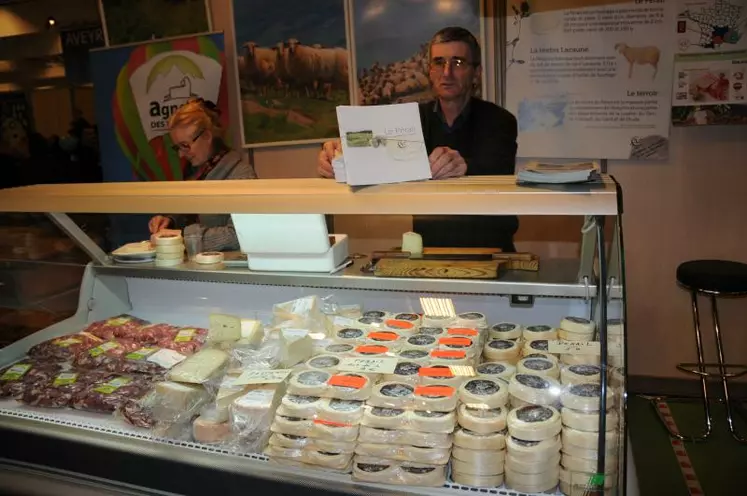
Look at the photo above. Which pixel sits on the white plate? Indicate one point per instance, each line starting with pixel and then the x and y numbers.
pixel 135 250
pixel 134 260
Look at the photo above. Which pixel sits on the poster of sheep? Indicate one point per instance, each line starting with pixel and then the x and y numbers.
pixel 293 69
pixel 391 45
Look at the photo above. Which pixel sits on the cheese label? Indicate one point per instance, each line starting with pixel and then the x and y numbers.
pixel 103 348
pixel 15 372
pixel 185 335
pixel 262 377
pixel 383 336
pixel 90 336
pixel 113 385
pixel 350 381
pixel 399 324
pixel 462 331
pixel 435 372
pixel 372 365
pixel 329 423
pixel 450 354
pixel 455 341
pixel 372 350
pixel 434 391
pixel 64 343
pixel 118 321
pixel 65 378
pixel 140 354
pixel 574 347
pixel 166 358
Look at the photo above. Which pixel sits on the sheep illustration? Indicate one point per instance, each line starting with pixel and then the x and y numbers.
pixel 641 56
pixel 180 92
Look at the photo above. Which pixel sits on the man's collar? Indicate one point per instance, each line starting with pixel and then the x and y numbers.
pixel 463 115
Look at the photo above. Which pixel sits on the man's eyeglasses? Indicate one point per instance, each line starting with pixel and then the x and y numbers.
pixel 185 147
pixel 438 64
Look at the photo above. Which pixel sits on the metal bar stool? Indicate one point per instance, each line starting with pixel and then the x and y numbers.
pixel 714 278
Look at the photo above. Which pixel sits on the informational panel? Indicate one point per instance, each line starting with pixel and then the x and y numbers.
pixel 137 89
pixel 709 85
pixel 590 79
pixel 76 44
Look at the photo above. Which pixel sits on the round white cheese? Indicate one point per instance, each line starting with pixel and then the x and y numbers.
pixel 534 467
pixel 534 423
pixel 405 372
pixel 377 435
pixel 415 355
pixel 573 359
pixel 478 457
pixel 435 398
pixel 170 249
pixel 329 363
pixel 437 321
pixel 209 258
pixel 468 439
pixel 501 350
pixel 585 397
pixel 421 342
pixel 309 383
pixel 532 483
pixel 536 346
pixel 477 480
pixel 533 451
pixel 483 393
pixel 482 420
pixel 436 456
pixel 579 374
pixel 350 335
pixel 574 464
pixel 577 325
pixel 505 330
pixel 471 320
pixel 564 335
pixel 478 465
pixel 538 366
pixel 385 418
pixel 534 332
pixel 583 453
pixel 160 262
pixel 588 421
pixel 348 386
pixel 375 470
pixel 403 327
pixel 432 421
pixel 442 374
pixel 534 389
pixel 293 405
pixel 419 474
pixel 167 239
pixel 615 327
pixel 339 349
pixel 342 411
pixel 588 440
pixel 496 370
pixel 392 394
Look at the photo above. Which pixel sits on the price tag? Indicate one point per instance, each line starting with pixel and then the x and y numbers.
pixel 262 377
pixel 434 391
pixel 348 381
pixel 330 423
pixel 184 336
pixel 112 385
pixel 448 354
pixel 383 336
pixel 15 372
pixel 614 349
pixel 455 341
pixel 65 378
pixel 102 348
pixel 373 365
pixel 573 347
pixel 462 331
pixel 166 358
pixel 399 324
pixel 140 354
pixel 372 349
pixel 64 343
pixel 435 372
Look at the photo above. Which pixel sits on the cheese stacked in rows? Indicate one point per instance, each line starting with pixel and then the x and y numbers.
pixel 577 329
pixel 533 448
pixel 580 436
pixel 480 440
pixel 169 248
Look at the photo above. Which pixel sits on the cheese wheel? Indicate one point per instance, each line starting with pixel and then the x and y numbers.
pixel 403 327
pixel 417 454
pixel 459 343
pixel 588 440
pixel 342 411
pixel 288 441
pixel 330 459
pixel 405 372
pixel 375 470
pixel 392 394
pixel 501 350
pixel 579 374
pixel 333 431
pixel 169 256
pixel 385 418
pixel 577 325
pixel 209 258
pixel 617 377
pixel 418 474
pixel 537 345
pixel 472 320
pixel 578 481
pixel 468 439
pixel 615 327
pixel 535 332
pixel 586 454
pixel 432 331
pixel 585 397
pixel 534 423
pixel 309 383
pixel 564 335
pixel 582 465
pixel 435 398
pixel 532 483
pixel 432 421
pixel 293 405
pixel 328 363
pixel 369 322
pixel 377 314
pixel 293 426
pixel 275 451
pixel 542 354
pixel 437 321
pixel 167 239
pixel 534 389
pixel 348 386
pixel 415 355
pixel 516 402
pixel 377 435
pixel 538 366
pixel 505 330
pixel 482 420
pixel 168 263
pixel 588 421
pixel 533 451
pixel 478 457
pixel 477 480
pixel 526 467
pixel 171 249
pixel 409 317
pixel 496 370
pixel 483 392
pixel 572 359
pixel 339 349
pixel 492 465
pixel 421 342
pixel 412 242
pixel 350 335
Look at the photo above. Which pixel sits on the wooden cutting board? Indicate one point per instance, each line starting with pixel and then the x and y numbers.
pixel 441 269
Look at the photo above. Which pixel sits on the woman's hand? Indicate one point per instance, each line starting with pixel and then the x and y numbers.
pixel 326 155
pixel 158 223
pixel 446 162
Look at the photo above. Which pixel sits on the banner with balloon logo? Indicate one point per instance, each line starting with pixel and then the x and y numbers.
pixel 138 87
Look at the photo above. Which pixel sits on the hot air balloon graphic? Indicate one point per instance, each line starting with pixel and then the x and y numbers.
pixel 157 79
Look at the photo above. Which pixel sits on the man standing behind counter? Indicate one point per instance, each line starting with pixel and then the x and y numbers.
pixel 463 136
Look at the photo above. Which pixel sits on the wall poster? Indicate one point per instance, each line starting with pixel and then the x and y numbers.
pixel 590 78
pixel 293 69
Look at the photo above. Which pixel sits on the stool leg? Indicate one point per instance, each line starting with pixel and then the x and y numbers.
pixel 722 372
pixel 703 383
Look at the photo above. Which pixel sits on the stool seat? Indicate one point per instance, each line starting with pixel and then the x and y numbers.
pixel 721 277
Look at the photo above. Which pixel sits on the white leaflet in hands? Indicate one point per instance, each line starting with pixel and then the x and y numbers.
pixel 166 358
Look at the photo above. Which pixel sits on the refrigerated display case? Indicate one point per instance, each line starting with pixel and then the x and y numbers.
pixel 590 286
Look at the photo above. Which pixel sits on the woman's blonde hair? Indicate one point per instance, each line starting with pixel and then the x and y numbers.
pixel 200 112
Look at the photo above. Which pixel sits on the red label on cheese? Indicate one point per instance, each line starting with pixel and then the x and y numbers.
pixel 455 341
pixel 330 423
pixel 435 372
pixel 372 350
pixel 434 391
pixel 351 381
pixel 462 331
pixel 383 336
pixel 448 354
pixel 399 324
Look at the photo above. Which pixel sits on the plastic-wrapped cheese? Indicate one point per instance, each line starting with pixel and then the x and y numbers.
pixel 582 465
pixel 534 389
pixel 385 418
pixel 532 483
pixel 577 325
pixel 586 397
pixel 534 423
pixel 435 456
pixel 432 331
pixel 435 398
pixel 482 420
pixel 460 343
pixel 472 320
pixel 404 327
pixel 339 349
pixel 588 421
pixel 535 346
pixel 506 330
pixel 449 357
pixel 437 321
pixel 421 341
pixel 573 359
pixel 327 363
pixel 405 372
pixel 200 367
pixel 377 435
pixel 496 370
pixel 348 386
pixel 564 335
pixel 409 317
pixel 535 332
pixel 174 399
pixel 342 411
pixel 468 439
pixel 293 405
pixel 414 355
pixel 501 350
pixel 432 421
pixel 350 335
pixel 525 467
pixel 588 440
pixel 309 383
pixel 390 339
pixel 584 453
pixel 479 457
pixel 538 366
pixel 392 395
pixel 335 460
pixel 533 451
pixel 444 374
pixel 579 374
pixel 483 392
pixel 477 480
pixel 479 465
pixel 615 327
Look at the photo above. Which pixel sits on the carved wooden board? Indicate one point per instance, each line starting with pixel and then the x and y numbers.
pixel 441 269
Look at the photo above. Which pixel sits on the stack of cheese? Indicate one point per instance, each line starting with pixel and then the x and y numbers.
pixel 533 449
pixel 169 248
pixel 580 417
pixel 480 441
pixel 502 350
pixel 318 420
pixel 615 343
pixel 406 433
pixel 577 329
pixel 506 331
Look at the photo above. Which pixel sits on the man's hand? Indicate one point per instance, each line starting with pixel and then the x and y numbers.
pixel 158 223
pixel 326 155
pixel 446 162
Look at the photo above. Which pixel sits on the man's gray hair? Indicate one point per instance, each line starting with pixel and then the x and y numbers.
pixel 456 33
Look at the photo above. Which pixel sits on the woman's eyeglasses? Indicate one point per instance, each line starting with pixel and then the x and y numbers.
pixel 185 147
pixel 438 64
